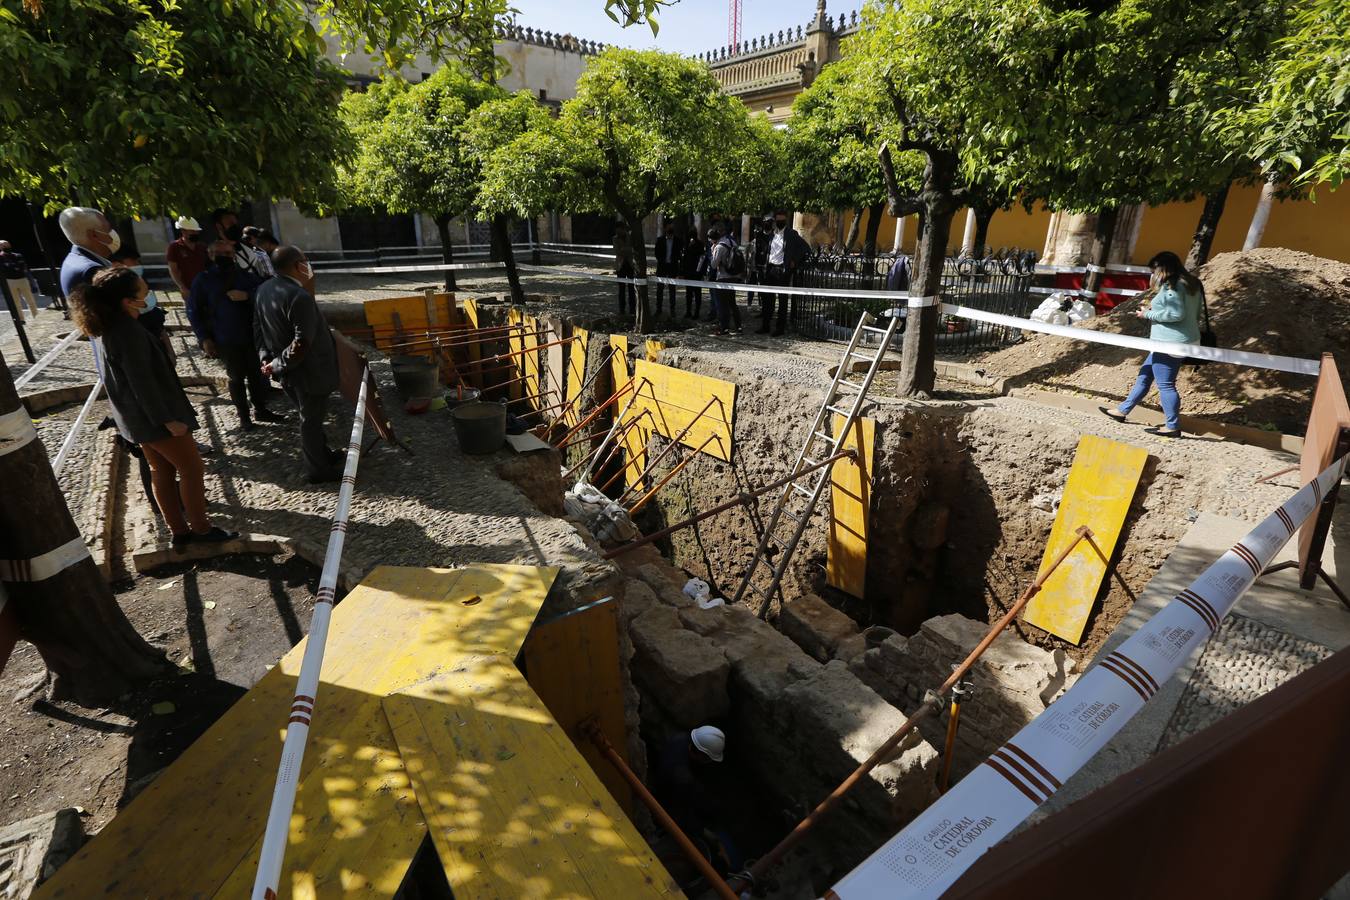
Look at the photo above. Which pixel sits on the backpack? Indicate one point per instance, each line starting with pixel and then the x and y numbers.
pixel 736 267
pixel 1207 336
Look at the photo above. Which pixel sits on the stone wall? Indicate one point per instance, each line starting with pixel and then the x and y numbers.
pixel 795 727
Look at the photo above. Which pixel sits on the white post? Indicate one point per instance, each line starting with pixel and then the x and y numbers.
pixel 417 230
pixel 1260 217
pixel 278 829
pixel 899 234
pixel 968 240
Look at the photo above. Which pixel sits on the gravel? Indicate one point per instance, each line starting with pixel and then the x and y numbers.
pixel 1243 661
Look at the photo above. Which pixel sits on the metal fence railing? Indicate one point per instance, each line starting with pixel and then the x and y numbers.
pixel 1000 283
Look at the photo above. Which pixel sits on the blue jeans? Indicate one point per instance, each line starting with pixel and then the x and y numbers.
pixel 1163 369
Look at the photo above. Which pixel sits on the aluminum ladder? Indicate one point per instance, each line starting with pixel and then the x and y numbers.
pixel 808 495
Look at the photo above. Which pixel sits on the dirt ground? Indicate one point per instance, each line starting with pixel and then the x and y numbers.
pixel 1269 300
pixel 224 622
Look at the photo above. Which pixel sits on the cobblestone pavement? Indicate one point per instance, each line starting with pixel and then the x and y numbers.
pixel 1243 661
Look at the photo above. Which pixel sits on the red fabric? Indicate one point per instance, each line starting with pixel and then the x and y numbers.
pixel 189 257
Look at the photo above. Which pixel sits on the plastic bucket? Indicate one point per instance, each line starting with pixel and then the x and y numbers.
pixel 415 376
pixel 480 427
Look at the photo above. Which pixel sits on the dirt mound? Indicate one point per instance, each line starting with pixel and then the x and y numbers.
pixel 1269 300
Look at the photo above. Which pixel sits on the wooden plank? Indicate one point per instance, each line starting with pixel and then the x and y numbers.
pixel 409 312
pixel 555 366
pixel 850 509
pixel 1330 414
pixel 1101 484
pixel 473 353
pixel 576 374
pixel 515 343
pixel 635 441
pixel 512 808
pixel 196 830
pixel 531 344
pixel 654 348
pixel 572 662
pixel 675 398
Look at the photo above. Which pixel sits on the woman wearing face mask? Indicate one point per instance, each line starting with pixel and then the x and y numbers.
pixel 1175 313
pixel 147 400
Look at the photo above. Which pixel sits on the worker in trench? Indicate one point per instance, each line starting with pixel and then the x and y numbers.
pixel 682 780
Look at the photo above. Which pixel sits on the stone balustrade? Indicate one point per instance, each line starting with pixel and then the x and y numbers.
pixel 509 31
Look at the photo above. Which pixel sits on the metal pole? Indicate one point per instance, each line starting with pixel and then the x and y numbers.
pixel 593 414
pixel 632 510
pixel 307 685
pixel 617 419
pixel 930 705
pixel 674 442
pixel 723 507
pixel 687 847
pixel 959 693
pixel 59 294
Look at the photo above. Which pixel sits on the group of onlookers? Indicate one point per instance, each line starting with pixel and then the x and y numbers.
pixel 771 257
pixel 251 305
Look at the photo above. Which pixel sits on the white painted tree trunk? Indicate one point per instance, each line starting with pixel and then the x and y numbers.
pixel 968 239
pixel 899 235
pixel 1260 217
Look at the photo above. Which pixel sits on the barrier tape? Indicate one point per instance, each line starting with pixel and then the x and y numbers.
pixel 934 850
pixel 1291 364
pixel 36 368
pixel 921 302
pixel 307 684
pixel 1091 268
pixel 73 434
pixel 426 267
pixel 44 566
pixel 16 431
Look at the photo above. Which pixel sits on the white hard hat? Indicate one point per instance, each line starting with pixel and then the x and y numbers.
pixel 710 740
pixel 187 223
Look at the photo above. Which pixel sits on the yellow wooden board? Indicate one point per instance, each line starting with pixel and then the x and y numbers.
pixel 635 439
pixel 850 508
pixel 654 348
pixel 572 662
pixel 675 399
pixel 196 830
pixel 576 374
pixel 512 808
pixel 555 366
pixel 1101 484
pixel 532 340
pixel 515 344
pixel 411 315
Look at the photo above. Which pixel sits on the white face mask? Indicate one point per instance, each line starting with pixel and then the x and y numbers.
pixel 114 240
pixel 306 270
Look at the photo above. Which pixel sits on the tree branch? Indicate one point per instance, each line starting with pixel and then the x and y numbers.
pixel 898 205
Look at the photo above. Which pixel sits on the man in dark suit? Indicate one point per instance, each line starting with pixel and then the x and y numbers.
pixel 669 252
pixel 297 348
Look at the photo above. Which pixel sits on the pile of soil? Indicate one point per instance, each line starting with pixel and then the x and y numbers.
pixel 1269 300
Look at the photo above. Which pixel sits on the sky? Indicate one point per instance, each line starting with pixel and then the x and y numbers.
pixel 688 26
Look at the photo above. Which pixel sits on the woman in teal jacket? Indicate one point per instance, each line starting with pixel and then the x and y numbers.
pixel 1175 314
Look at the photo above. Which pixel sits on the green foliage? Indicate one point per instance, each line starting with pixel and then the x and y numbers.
pixel 1302 124
pixel 838 124
pixel 492 127
pixel 646 131
pixel 413 155
pixel 633 12
pixel 395 31
pixel 144 110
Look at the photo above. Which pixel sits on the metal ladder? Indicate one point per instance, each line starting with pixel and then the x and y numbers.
pixel 808 495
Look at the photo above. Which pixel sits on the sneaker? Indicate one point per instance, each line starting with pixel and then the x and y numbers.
pixel 337 457
pixel 266 415
pixel 214 536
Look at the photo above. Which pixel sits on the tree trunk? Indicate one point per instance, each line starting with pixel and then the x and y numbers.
pixel 983 215
pixel 919 346
pixel 853 229
pixel 92 653
pixel 1207 227
pixel 1102 237
pixel 447 251
pixel 873 226
pixel 639 245
pixel 501 241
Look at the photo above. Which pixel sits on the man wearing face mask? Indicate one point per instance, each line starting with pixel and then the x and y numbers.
pixel 787 250
pixel 296 347
pixel 220 308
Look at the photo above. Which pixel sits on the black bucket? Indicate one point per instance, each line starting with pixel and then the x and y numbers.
pixel 416 376
pixel 480 427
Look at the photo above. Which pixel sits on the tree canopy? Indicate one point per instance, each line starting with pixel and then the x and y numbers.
pixel 646 131
pixel 150 109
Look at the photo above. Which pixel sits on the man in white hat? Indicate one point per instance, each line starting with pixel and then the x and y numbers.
pixel 186 256
pixel 681 776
